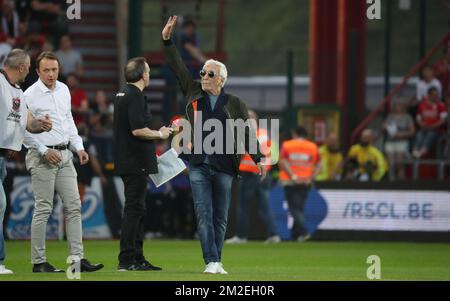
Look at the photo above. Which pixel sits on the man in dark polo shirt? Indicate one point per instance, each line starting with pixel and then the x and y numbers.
pixel 134 160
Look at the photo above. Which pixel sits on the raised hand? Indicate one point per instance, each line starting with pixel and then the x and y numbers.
pixel 168 29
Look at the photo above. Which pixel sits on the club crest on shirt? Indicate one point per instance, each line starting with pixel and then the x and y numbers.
pixel 14 114
pixel 16 104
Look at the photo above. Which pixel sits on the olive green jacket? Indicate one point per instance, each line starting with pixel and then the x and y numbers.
pixel 234 108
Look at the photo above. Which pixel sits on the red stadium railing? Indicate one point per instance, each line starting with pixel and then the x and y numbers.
pixel 386 101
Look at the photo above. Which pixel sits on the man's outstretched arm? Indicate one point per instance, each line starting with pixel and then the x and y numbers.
pixel 174 59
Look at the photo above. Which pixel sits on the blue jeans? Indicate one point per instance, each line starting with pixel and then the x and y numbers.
pixel 250 185
pixel 425 138
pixel 2 207
pixel 211 191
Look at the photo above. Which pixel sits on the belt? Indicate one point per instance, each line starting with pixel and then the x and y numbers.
pixel 2 152
pixel 58 147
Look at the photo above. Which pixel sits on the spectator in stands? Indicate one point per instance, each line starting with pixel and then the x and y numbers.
pixel 350 170
pixel 9 21
pixel 189 47
pixel 372 165
pixel 431 115
pixel 446 148
pixel 23 8
pixel 100 123
pixel 101 136
pixel 80 104
pixel 399 127
pixel 34 43
pixel 20 39
pixel 71 60
pixel 101 114
pixel 331 160
pixel 5 48
pixel 428 80
pixel 446 92
pixel 442 67
pixel 48 17
pixel 9 29
pixel 86 172
pixel 101 105
pixel 47 46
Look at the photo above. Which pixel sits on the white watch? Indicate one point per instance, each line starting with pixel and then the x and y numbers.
pixel 160 135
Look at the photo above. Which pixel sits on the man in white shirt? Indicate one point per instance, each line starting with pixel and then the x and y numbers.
pixel 428 80
pixel 14 119
pixel 70 59
pixel 49 161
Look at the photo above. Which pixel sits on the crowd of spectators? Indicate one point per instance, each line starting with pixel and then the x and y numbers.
pixel 414 129
pixel 420 129
pixel 41 25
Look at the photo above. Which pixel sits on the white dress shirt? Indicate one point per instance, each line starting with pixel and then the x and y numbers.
pixel 56 103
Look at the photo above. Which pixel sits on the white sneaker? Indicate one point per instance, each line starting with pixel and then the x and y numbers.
pixel 220 269
pixel 303 238
pixel 273 240
pixel 149 235
pixel 211 268
pixel 5 271
pixel 236 240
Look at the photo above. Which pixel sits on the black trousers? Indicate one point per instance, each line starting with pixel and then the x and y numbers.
pixel 132 234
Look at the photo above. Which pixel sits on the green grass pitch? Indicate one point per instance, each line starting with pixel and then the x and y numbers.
pixel 287 261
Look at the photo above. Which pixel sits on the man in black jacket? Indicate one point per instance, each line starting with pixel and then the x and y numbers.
pixel 211 174
pixel 135 159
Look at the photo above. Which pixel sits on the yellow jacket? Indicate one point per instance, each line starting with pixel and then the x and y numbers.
pixel 366 154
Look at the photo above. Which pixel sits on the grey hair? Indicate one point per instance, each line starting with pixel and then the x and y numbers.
pixel 16 57
pixel 223 69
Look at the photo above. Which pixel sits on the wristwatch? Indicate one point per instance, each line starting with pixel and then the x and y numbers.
pixel 160 135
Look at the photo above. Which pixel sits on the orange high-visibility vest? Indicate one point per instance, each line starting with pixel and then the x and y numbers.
pixel 302 156
pixel 194 106
pixel 247 164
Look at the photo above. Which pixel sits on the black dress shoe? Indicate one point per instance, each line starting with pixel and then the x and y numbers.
pixel 45 267
pixel 139 266
pixel 86 266
pixel 147 266
pixel 127 267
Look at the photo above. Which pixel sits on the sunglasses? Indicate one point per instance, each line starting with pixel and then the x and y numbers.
pixel 211 74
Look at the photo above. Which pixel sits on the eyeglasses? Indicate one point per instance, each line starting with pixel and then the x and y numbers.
pixel 211 74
